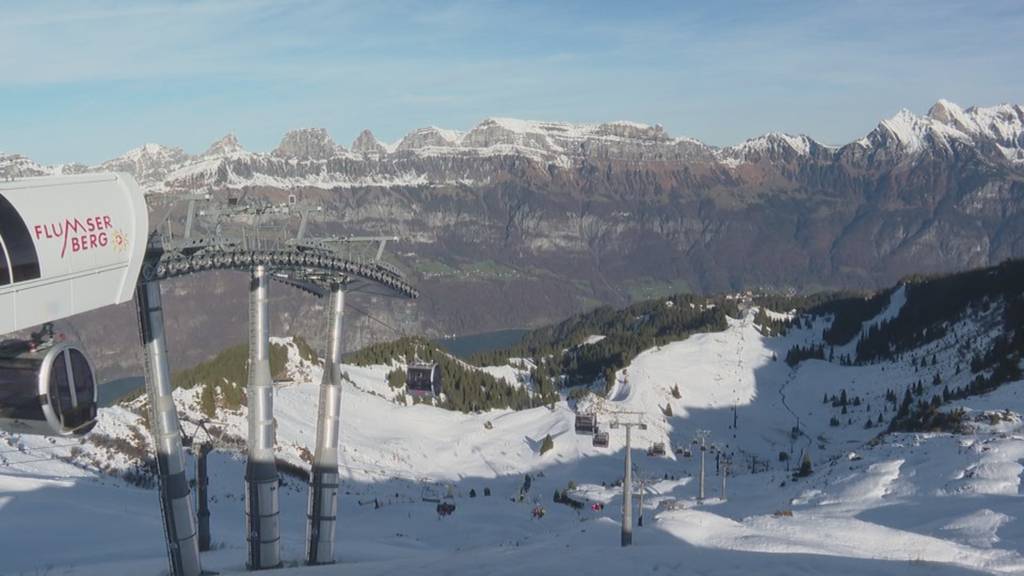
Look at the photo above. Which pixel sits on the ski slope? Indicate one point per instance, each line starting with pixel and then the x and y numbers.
pixel 907 504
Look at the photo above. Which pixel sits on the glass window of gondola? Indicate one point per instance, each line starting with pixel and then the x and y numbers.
pixel 17 244
pixel 60 388
pixel 19 388
pixel 586 423
pixel 85 408
pixel 5 267
pixel 422 378
pixel 85 387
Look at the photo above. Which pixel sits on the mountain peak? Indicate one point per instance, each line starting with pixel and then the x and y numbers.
pixel 946 112
pixel 307 143
pixel 226 146
pixel 367 143
pixel 431 136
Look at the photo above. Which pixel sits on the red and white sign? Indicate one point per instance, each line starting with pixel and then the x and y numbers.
pixel 78 235
pixel 75 253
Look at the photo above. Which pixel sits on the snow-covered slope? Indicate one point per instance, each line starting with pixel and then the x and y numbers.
pixel 905 503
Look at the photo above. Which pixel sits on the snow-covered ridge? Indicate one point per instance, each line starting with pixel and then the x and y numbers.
pixel 946 124
pixel 996 130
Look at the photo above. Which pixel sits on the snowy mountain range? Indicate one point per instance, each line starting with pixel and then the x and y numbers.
pixel 518 223
pixel 311 158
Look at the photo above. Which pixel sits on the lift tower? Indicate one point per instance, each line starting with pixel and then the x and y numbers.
pixel 175 499
pixel 248 236
pixel 261 480
pixel 323 476
pixel 627 420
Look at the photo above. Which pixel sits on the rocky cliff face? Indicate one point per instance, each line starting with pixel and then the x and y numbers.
pixel 308 143
pixel 518 223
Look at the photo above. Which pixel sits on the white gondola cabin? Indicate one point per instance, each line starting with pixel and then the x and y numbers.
pixel 601 439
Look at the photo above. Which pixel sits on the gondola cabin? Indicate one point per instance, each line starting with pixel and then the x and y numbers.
pixel 601 439
pixel 586 424
pixel 46 388
pixel 656 449
pixel 423 379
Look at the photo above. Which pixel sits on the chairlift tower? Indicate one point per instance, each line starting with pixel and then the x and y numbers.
pixel 324 480
pixel 250 236
pixel 627 420
pixel 725 473
pixel 261 478
pixel 702 436
pixel 175 500
pixel 247 234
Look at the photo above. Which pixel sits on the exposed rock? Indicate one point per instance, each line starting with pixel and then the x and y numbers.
pixel 519 223
pixel 226 146
pixel 429 137
pixel 307 143
pixel 367 143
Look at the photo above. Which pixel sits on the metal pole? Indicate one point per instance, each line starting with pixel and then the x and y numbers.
pixel 725 474
pixel 202 485
pixel 323 476
pixel 190 217
pixel 261 480
pixel 627 495
pixel 700 496
pixel 175 500
pixel 640 515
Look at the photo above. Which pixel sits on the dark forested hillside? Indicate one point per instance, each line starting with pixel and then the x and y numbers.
pixel 991 299
pixel 465 388
pixel 562 349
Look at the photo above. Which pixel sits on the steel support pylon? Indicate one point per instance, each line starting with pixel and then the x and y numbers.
pixel 202 492
pixel 261 480
pixel 175 499
pixel 322 511
pixel 627 495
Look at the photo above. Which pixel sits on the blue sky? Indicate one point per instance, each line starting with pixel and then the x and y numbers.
pixel 85 81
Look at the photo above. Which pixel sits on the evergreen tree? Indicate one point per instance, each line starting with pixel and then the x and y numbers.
pixel 547 444
pixel 904 410
pixel 208 401
pixel 396 378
